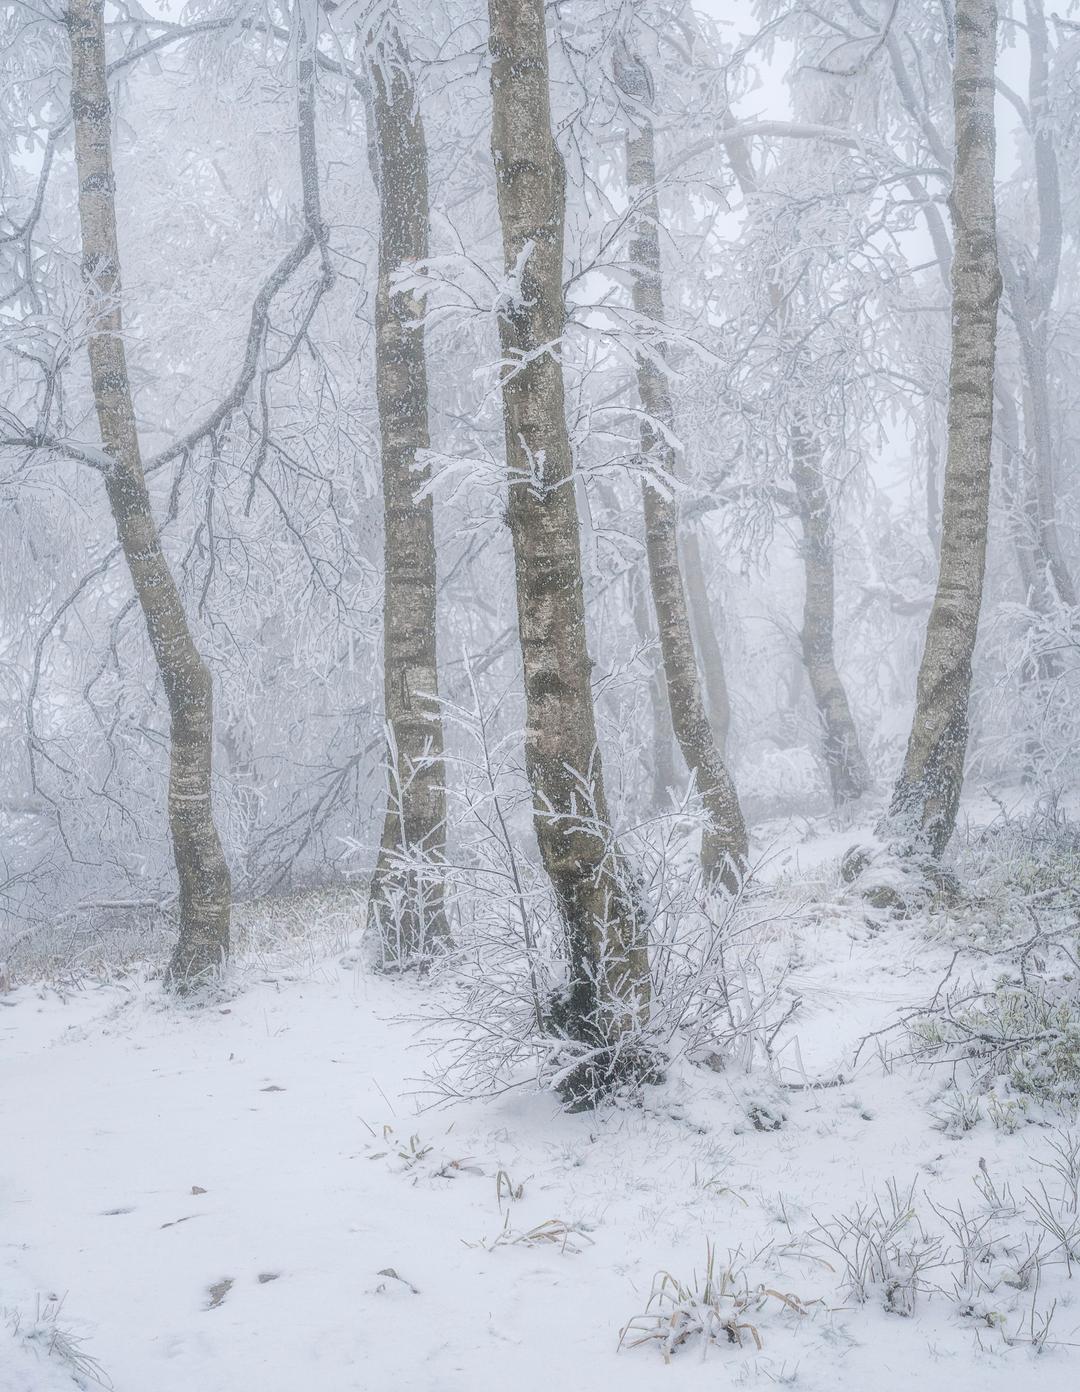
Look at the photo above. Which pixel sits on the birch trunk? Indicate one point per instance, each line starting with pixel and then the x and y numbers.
pixel 717 700
pixel 1045 667
pixel 724 842
pixel 848 772
pixel 662 761
pixel 927 793
pixel 608 991
pixel 406 900
pixel 205 889
pixel 1030 284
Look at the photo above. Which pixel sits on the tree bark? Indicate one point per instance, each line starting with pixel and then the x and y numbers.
pixel 848 772
pixel 922 814
pixel 1031 299
pixel 1044 667
pixel 608 990
pixel 717 700
pixel 406 897
pixel 724 843
pixel 205 889
pixel 662 762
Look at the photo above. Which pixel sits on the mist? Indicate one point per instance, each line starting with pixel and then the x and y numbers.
pixel 538 552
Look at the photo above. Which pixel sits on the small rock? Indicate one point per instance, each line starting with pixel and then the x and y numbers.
pixel 218 1291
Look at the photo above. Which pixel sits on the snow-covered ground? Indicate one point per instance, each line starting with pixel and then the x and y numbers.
pixel 245 1197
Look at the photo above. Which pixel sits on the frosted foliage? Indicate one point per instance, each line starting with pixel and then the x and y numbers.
pixel 539 693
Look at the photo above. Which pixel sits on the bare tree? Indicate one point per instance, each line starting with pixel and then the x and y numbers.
pixel 848 772
pixel 205 890
pixel 608 991
pixel 406 899
pixel 1030 282
pixel 927 792
pixel 724 841
pixel 849 775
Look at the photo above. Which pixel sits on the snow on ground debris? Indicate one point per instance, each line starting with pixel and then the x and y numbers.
pixel 245 1198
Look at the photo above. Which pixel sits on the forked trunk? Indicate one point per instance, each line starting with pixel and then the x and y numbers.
pixel 724 842
pixel 608 992
pixel 406 898
pixel 922 814
pixel 205 889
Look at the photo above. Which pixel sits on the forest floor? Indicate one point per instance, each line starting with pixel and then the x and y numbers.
pixel 245 1198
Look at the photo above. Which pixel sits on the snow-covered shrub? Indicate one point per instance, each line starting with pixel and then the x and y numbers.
pixel 720 1308
pixel 1014 1029
pixel 101 940
pixel 1020 870
pixel 717 962
pixel 44 1338
pixel 1025 1036
pixel 957 1111
pixel 717 965
pixel 884 1250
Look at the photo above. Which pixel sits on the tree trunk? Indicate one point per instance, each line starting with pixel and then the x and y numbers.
pixel 717 700
pixel 922 814
pixel 1030 310
pixel 608 990
pixel 848 772
pixel 1031 300
pixel 724 842
pixel 849 775
pixel 1043 668
pixel 205 890
pixel 662 762
pixel 406 899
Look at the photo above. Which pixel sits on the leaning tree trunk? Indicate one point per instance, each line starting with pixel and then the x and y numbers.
pixel 922 814
pixel 608 993
pixel 406 898
pixel 848 773
pixel 724 841
pixel 205 889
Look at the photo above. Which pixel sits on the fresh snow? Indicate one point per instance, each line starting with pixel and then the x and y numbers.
pixel 152 1156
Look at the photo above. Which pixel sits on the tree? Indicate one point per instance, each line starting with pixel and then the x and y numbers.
pixel 406 900
pixel 205 890
pixel 922 813
pixel 607 994
pixel 844 759
pixel 849 775
pixel 1030 282
pixel 724 840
